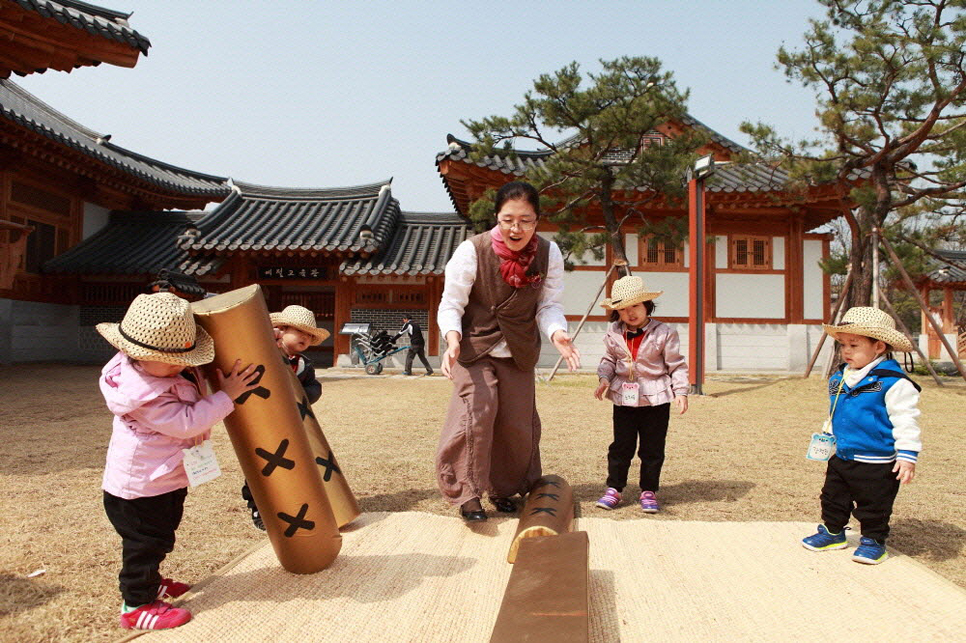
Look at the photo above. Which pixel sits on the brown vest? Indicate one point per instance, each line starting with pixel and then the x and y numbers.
pixel 496 310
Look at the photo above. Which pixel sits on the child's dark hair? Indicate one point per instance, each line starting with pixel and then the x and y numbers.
pixel 517 190
pixel 648 306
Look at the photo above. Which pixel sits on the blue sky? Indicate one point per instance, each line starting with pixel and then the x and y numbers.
pixel 327 94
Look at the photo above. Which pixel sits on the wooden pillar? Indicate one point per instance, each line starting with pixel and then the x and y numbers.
pixel 795 271
pixel 949 317
pixel 435 293
pixel 697 282
pixel 345 293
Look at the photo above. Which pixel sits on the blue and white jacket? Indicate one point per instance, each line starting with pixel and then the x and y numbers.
pixel 876 418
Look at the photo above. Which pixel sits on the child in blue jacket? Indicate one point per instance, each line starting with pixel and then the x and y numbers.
pixel 874 419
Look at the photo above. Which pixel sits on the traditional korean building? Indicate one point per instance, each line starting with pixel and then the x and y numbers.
pixel 766 294
pixel 949 277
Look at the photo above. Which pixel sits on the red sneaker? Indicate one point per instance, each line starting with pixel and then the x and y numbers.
pixel 172 589
pixel 155 616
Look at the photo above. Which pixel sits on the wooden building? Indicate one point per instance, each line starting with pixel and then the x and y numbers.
pixel 766 294
pixel 949 277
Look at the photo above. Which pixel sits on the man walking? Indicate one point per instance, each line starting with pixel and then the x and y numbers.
pixel 417 344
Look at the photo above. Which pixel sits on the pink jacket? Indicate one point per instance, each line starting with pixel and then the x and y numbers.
pixel 154 419
pixel 660 369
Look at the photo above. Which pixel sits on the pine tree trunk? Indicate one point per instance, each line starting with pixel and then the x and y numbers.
pixel 612 226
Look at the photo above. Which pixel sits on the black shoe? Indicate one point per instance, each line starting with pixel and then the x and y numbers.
pixel 474 515
pixel 429 372
pixel 504 505
pixel 406 373
pixel 257 520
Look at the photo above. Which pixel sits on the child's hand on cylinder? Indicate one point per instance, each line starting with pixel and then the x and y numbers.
pixel 240 380
pixel 681 401
pixel 906 471
pixel 601 389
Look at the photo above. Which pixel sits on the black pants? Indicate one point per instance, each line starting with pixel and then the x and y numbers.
pixel 146 527
pixel 650 424
pixel 414 350
pixel 866 491
pixel 247 495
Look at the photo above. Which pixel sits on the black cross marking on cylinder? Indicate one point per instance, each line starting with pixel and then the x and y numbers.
pixel 329 465
pixel 297 522
pixel 261 391
pixel 276 459
pixel 552 482
pixel 547 510
pixel 555 496
pixel 305 408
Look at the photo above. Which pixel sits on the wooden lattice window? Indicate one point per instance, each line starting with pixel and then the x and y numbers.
pixel 656 253
pixel 749 253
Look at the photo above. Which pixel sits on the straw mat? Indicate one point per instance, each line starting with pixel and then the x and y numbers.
pixel 423 577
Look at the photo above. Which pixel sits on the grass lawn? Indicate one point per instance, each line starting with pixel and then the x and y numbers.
pixel 737 455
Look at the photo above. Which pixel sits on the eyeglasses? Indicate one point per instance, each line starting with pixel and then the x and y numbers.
pixel 523 225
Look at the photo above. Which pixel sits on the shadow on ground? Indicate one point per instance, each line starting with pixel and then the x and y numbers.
pixel 682 492
pixel 22 594
pixel 932 539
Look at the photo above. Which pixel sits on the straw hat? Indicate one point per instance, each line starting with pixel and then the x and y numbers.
pixel 628 291
pixel 160 328
pixel 870 322
pixel 302 318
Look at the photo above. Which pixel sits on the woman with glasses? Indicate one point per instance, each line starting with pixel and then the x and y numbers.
pixel 503 290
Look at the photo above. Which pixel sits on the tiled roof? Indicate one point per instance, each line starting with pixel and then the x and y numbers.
pixel 136 243
pixel 269 219
pixel 953 272
pixel 422 244
pixel 98 21
pixel 26 110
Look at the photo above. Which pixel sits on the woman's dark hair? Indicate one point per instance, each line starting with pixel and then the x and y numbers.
pixel 648 306
pixel 517 190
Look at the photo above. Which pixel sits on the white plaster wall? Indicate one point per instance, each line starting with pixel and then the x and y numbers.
pixel 778 253
pixel 95 218
pixel 580 286
pixel 814 278
pixel 674 301
pixel 686 249
pixel 752 347
pixel 630 246
pixel 750 295
pixel 721 252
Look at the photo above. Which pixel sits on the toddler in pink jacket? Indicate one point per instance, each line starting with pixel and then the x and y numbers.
pixel 642 372
pixel 156 393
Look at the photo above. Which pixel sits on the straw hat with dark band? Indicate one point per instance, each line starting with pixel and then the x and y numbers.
pixel 870 322
pixel 301 318
pixel 628 291
pixel 160 328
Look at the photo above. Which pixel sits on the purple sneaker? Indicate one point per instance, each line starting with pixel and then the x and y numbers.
pixel 649 503
pixel 610 499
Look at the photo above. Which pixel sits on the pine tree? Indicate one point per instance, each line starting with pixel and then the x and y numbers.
pixel 891 86
pixel 600 160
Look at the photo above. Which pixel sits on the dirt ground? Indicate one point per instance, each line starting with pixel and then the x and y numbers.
pixel 737 455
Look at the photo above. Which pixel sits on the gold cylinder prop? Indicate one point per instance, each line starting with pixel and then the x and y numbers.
pixel 343 502
pixel 549 511
pixel 267 434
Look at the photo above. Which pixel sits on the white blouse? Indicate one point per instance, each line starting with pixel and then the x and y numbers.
pixel 460 276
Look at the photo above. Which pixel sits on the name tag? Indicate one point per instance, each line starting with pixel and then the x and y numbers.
pixel 200 464
pixel 630 393
pixel 821 447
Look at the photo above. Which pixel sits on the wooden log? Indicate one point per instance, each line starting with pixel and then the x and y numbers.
pixel 343 502
pixel 267 434
pixel 549 511
pixel 547 597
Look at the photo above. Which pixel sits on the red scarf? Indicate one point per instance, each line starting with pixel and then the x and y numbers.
pixel 514 264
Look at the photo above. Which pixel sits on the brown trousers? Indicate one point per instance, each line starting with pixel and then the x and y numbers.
pixel 491 439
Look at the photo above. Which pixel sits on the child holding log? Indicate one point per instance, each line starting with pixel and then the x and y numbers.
pixel 642 372
pixel 295 331
pixel 160 409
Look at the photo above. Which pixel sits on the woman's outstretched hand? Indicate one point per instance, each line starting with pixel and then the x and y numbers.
pixel 561 341
pixel 452 353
